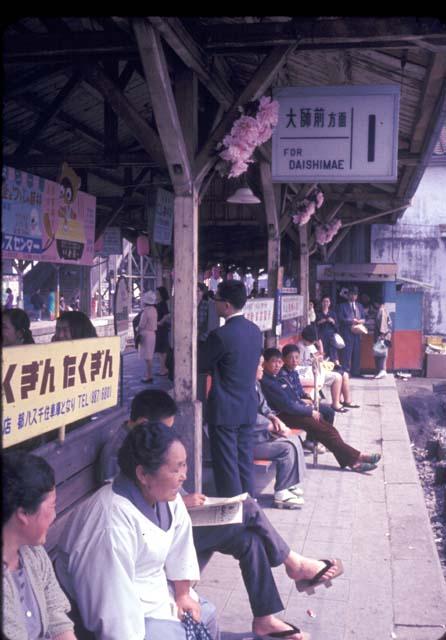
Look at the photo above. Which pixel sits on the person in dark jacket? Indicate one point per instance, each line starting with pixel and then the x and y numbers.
pixel 295 412
pixel 232 354
pixel 327 326
pixel 350 314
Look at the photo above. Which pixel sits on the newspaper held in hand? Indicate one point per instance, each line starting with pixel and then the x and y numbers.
pixel 215 511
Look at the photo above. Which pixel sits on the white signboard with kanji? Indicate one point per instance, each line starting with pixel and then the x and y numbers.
pixel 336 134
pixel 291 307
pixel 261 312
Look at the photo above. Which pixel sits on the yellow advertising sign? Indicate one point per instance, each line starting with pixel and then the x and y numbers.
pixel 47 386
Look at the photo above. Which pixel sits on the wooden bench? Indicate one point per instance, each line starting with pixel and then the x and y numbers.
pixel 263 465
pixel 75 465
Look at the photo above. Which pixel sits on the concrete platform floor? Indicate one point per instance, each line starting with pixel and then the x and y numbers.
pixel 377 523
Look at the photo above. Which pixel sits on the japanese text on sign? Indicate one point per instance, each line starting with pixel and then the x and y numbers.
pixel 291 307
pixel 334 134
pixel 71 381
pixel 261 312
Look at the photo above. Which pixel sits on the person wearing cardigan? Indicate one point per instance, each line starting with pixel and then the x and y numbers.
pixel 34 605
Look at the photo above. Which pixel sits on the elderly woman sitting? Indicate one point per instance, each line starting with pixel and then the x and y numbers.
pixel 127 555
pixel 34 605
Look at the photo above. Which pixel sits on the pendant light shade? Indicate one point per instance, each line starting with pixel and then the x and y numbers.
pixel 243 195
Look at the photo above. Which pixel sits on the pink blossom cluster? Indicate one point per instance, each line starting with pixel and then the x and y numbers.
pixel 306 208
pixel 247 133
pixel 326 232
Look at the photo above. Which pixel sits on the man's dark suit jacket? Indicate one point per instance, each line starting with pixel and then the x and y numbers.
pixel 232 356
pixel 345 315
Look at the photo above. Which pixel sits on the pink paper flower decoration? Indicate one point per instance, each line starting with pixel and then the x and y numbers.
pixel 326 232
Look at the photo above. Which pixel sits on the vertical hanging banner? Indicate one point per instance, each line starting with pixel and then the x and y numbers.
pixel 160 204
pixel 336 134
pixel 44 389
pixel 121 311
pixel 45 220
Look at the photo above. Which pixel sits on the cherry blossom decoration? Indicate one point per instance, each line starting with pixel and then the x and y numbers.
pixel 301 211
pixel 254 127
pixel 326 232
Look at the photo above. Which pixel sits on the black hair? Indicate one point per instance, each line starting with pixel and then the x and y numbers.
pixel 272 352
pixel 20 321
pixel 163 293
pixel 79 323
pixel 309 333
pixel 379 299
pixel 153 404
pixel 234 292
pixel 202 287
pixel 26 479
pixel 289 348
pixel 146 445
pixel 8 290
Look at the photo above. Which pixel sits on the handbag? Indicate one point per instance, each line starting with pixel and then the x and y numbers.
pixel 380 348
pixel 337 341
pixel 359 329
pixel 195 630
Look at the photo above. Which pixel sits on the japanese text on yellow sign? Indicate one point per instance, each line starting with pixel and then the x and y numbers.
pixel 47 386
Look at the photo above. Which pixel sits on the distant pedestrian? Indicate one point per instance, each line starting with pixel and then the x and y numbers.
pixel 163 328
pixel 146 332
pixel 9 303
pixel 51 304
pixel 382 336
pixel 37 302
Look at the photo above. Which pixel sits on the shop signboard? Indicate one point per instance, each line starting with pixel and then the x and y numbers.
pixel 111 242
pixel 121 311
pixel 160 206
pixel 47 221
pixel 261 312
pixel 46 387
pixel 336 134
pixel 373 272
pixel 291 307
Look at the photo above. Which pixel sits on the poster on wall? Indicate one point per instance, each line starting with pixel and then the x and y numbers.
pixel 160 204
pixel 45 220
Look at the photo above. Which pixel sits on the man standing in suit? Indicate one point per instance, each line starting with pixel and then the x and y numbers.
pixel 351 314
pixel 232 355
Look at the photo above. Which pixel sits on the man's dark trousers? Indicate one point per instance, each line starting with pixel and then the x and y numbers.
pixel 232 458
pixel 257 546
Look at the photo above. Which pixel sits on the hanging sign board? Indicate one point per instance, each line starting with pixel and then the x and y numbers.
pixel 111 242
pixel 160 204
pixel 47 221
pixel 121 311
pixel 43 390
pixel 336 134
pixel 373 272
pixel 291 307
pixel 261 312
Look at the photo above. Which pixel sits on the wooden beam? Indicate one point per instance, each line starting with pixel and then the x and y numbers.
pixel 186 97
pixel 142 132
pixel 34 103
pixel 260 81
pixel 304 268
pixel 190 52
pixel 343 233
pixel 308 31
pixel 434 79
pixel 164 107
pixel 375 216
pixel 111 122
pixel 85 160
pixel 51 112
pixel 272 226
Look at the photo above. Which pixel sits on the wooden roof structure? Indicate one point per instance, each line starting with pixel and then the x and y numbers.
pixel 90 91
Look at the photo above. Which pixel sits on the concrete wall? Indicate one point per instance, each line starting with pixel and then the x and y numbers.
pixel 416 245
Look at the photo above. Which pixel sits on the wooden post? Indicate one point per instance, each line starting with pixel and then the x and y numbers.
pixel 304 268
pixel 189 418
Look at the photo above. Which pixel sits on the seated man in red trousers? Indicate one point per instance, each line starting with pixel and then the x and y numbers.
pixel 295 413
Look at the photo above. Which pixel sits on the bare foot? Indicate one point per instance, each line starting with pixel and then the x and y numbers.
pixel 301 568
pixel 264 625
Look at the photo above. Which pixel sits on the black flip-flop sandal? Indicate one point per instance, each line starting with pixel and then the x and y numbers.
pixel 310 585
pixel 287 633
pixel 340 410
pixel 349 405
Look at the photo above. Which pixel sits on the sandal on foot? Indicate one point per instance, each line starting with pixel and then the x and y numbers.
pixel 287 633
pixel 287 500
pixel 350 405
pixel 340 410
pixel 361 467
pixel 309 585
pixel 372 458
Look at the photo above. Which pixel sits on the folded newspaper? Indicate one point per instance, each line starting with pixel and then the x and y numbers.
pixel 216 511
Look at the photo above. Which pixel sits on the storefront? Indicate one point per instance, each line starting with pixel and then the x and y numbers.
pixel 404 307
